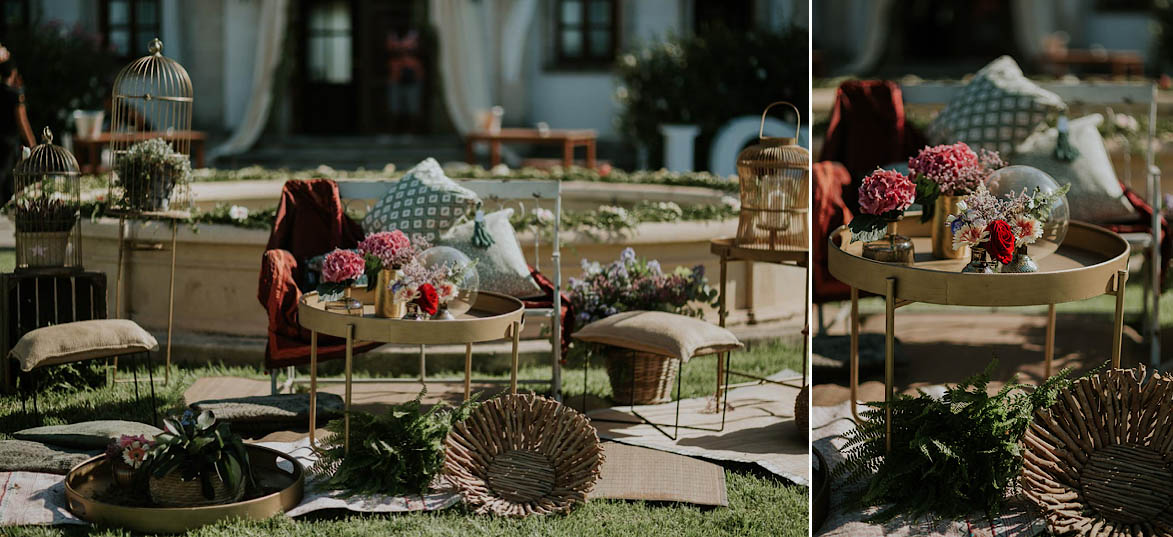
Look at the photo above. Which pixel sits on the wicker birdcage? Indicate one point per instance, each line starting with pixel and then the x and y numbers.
pixel 774 176
pixel 150 137
pixel 46 208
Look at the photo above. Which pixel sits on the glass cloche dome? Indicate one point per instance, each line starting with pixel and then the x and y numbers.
pixel 1012 181
pixel 463 275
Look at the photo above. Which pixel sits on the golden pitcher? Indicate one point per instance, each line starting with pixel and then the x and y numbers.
pixel 385 304
pixel 944 206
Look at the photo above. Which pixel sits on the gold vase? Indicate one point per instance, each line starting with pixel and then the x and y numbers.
pixel 941 234
pixel 385 304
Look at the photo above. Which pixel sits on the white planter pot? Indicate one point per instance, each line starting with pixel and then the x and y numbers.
pixel 88 123
pixel 679 141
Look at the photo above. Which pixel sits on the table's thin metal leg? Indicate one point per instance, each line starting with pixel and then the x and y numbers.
pixel 1049 345
pixel 515 333
pixel 889 358
pixel 313 385
pixel 349 368
pixel 118 288
pixel 854 354
pixel 170 304
pixel 467 371
pixel 1118 326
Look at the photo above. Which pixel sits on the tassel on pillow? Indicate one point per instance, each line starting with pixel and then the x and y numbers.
pixel 1064 151
pixel 480 235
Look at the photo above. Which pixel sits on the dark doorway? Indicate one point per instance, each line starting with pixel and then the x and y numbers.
pixel 328 90
pixel 948 30
pixel 396 46
pixel 735 15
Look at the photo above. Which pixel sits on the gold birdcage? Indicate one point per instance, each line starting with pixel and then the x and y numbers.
pixel 774 176
pixel 150 138
pixel 46 208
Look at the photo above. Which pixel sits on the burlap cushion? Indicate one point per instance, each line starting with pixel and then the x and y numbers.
pixel 271 409
pixel 81 340
pixel 658 332
pixel 25 456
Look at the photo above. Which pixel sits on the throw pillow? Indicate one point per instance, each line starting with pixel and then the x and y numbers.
pixel 86 435
pixel 658 332
pixel 81 340
pixel 996 110
pixel 501 267
pixel 1095 195
pixel 424 203
pixel 281 409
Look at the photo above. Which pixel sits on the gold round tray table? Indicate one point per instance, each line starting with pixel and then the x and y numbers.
pixel 87 483
pixel 1092 261
pixel 493 316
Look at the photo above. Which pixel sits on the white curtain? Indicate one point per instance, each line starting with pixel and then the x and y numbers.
pixel 482 48
pixel 270 42
pixel 875 37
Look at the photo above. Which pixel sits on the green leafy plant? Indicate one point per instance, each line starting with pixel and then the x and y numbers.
pixel 148 172
pixel 198 447
pixel 43 214
pixel 395 453
pixel 950 456
pixel 706 79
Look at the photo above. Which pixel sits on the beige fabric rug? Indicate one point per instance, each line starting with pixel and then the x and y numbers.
pixel 759 428
pixel 635 473
pixel 828 425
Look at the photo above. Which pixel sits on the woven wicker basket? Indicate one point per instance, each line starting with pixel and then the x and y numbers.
pixel 1098 462
pixel 802 409
pixel 654 376
pixel 521 455
pixel 172 491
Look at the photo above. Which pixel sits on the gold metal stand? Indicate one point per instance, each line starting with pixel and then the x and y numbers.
pixel 173 218
pixel 494 317
pixel 1092 261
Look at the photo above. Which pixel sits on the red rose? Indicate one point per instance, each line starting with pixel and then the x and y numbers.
pixel 1001 243
pixel 428 300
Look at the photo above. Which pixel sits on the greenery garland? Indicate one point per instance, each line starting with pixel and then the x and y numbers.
pixel 950 456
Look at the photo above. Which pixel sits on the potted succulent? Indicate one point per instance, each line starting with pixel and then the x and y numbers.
pixel 197 461
pixel 44 224
pixel 630 283
pixel 148 172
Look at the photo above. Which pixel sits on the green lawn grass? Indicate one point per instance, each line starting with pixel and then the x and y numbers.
pixel 7 259
pixel 759 504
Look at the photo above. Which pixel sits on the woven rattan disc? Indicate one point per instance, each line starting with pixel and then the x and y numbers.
pixel 1098 462
pixel 519 455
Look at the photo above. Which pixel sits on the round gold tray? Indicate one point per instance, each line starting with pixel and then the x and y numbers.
pixel 88 480
pixel 491 318
pixel 1084 266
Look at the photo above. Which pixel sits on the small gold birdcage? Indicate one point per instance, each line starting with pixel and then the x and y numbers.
pixel 46 208
pixel 774 176
pixel 150 138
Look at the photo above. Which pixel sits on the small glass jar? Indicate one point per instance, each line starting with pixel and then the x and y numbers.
pixel 978 264
pixel 893 248
pixel 346 305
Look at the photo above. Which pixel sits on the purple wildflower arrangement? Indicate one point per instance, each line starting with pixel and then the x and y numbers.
pixel 630 283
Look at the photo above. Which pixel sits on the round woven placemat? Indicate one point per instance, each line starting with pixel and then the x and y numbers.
pixel 1098 462
pixel 520 455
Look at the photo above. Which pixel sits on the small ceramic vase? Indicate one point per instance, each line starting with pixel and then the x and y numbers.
pixel 442 313
pixel 893 248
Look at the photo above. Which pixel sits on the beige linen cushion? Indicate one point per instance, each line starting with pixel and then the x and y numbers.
pixel 82 340
pixel 658 332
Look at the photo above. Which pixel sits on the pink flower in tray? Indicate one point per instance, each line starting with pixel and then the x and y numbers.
pixel 969 235
pixel 955 168
pixel 342 266
pixel 884 191
pixel 1026 229
pixel 393 248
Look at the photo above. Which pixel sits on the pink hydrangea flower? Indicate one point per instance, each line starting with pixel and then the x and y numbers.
pixel 341 266
pixel 955 168
pixel 393 248
pixel 885 191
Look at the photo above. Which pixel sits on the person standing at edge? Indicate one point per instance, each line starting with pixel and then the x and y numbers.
pixel 14 123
